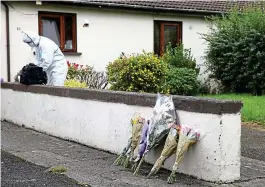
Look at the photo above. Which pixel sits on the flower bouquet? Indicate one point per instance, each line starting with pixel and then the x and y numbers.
pixel 187 137
pixel 163 115
pixel 137 125
pixel 169 149
pixel 142 145
pixel 120 160
pixel 127 154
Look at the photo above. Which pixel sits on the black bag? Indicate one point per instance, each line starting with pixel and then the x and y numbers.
pixel 33 74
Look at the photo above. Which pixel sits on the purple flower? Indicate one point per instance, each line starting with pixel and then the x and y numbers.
pixel 2 79
pixel 143 141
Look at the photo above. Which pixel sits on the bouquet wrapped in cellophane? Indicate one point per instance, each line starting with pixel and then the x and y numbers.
pixel 142 145
pixel 164 114
pixel 169 149
pixel 187 137
pixel 120 160
pixel 137 126
pixel 126 156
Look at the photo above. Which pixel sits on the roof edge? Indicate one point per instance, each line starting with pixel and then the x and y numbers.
pixel 118 6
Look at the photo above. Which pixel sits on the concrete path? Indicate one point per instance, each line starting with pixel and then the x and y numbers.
pixel 94 167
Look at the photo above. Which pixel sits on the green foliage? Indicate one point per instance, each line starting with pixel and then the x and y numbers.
pixel 182 74
pixel 235 53
pixel 80 72
pixel 72 83
pixel 179 57
pixel 182 81
pixel 85 75
pixel 143 72
pixel 253 106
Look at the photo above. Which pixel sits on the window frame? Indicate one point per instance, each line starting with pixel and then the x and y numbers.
pixel 60 15
pixel 162 33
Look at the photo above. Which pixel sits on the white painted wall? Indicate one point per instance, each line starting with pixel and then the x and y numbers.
pixel 109 33
pixel 216 157
pixel 3 44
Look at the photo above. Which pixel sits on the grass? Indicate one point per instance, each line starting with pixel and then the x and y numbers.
pixel 253 106
pixel 58 169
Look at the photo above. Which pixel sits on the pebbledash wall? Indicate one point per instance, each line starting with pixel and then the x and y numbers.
pixel 101 119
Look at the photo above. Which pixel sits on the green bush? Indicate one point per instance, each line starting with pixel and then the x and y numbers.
pixel 143 72
pixel 182 81
pixel 87 75
pixel 182 74
pixel 72 83
pixel 235 53
pixel 179 57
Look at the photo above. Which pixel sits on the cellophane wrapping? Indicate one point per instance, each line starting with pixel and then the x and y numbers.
pixel 187 136
pixel 164 114
pixel 169 149
pixel 137 122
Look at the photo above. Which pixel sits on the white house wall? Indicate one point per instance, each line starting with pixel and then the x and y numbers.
pixel 3 44
pixel 109 33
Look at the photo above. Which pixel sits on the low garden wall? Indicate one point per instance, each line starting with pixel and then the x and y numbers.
pixel 101 119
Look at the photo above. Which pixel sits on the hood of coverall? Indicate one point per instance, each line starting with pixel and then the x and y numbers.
pixel 31 38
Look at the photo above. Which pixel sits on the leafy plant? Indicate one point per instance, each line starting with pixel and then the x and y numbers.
pixel 86 75
pixel 72 70
pixel 183 72
pixel 179 57
pixel 235 53
pixel 183 81
pixel 72 83
pixel 143 72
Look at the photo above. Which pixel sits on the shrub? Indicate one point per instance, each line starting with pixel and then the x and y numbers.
pixel 72 83
pixel 179 57
pixel 97 80
pixel 183 81
pixel 87 75
pixel 235 53
pixel 72 70
pixel 143 72
pixel 182 74
pixel 79 72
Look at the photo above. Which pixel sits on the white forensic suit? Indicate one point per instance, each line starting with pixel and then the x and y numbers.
pixel 48 56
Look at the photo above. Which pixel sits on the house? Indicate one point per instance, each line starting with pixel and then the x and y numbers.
pixel 95 32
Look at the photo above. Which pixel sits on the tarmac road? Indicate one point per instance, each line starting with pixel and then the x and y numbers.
pixel 253 143
pixel 16 172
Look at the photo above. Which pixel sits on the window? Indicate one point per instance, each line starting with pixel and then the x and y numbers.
pixel 165 33
pixel 59 27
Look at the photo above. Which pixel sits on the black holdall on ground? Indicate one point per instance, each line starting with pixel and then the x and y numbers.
pixel 33 74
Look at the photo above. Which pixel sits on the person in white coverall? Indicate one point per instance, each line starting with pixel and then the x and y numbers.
pixel 48 56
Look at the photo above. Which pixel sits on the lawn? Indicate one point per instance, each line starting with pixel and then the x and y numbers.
pixel 253 109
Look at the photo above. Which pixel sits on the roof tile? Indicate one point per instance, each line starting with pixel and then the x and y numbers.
pixel 214 6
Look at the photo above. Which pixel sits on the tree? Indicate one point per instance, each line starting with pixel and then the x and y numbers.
pixel 235 53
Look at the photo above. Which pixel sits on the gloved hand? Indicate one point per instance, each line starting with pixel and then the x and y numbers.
pixel 17 77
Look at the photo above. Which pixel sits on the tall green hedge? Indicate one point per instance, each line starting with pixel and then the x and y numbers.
pixel 236 50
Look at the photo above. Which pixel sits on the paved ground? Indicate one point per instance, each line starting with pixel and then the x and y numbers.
pixel 95 168
pixel 16 172
pixel 253 143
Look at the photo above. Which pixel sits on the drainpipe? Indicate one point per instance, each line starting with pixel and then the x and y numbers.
pixel 7 42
